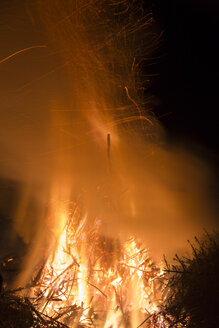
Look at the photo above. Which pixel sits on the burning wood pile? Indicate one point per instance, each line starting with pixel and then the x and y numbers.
pixel 95 281
pixel 100 295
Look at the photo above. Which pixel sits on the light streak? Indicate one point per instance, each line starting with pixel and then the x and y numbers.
pixel 21 51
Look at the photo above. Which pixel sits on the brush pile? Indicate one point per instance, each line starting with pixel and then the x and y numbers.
pixel 192 288
pixel 18 312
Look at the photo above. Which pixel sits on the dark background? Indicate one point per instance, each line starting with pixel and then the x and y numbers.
pixel 186 76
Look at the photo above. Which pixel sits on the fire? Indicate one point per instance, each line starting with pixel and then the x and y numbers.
pixel 95 281
pixel 86 278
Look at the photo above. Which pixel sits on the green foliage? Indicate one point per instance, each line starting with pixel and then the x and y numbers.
pixel 192 287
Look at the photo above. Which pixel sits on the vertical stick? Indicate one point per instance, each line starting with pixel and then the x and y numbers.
pixel 108 151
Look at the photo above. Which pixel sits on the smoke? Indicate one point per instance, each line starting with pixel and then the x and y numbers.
pixel 54 134
pixel 165 198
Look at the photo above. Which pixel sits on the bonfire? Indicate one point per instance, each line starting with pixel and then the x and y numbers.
pixel 95 281
pixel 83 276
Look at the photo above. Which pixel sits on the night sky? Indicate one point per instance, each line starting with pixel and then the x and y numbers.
pixel 186 84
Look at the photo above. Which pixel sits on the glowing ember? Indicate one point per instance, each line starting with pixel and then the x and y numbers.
pixel 94 281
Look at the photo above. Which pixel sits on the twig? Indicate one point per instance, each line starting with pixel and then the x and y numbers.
pixel 97 289
pixel 145 320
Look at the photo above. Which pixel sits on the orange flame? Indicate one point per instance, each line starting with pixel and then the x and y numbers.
pixel 92 280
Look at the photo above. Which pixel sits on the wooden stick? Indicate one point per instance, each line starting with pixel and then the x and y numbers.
pixel 108 151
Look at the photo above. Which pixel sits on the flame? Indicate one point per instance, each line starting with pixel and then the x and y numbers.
pixel 91 280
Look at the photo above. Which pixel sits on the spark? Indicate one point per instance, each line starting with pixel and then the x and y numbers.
pixel 21 51
pixel 130 119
